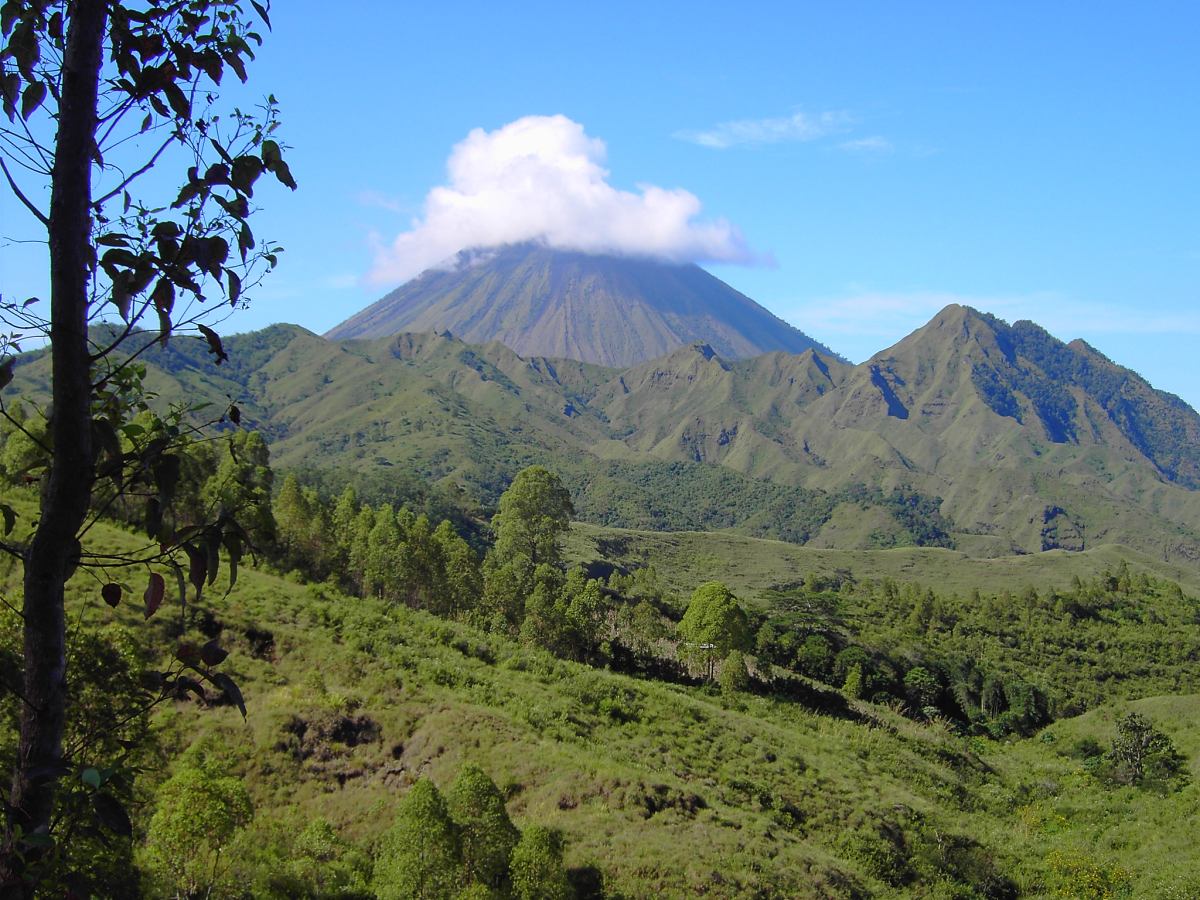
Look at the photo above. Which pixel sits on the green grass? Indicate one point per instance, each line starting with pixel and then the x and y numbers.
pixel 668 790
pixel 750 565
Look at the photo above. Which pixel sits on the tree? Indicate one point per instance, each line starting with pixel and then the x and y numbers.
pixel 537 866
pixel 458 586
pixel 97 94
pixel 488 834
pixel 921 688
pixel 421 855
pixel 292 515
pixel 855 683
pixel 713 625
pixel 1140 753
pixel 533 515
pixel 735 679
pixel 815 657
pixel 199 811
pixel 324 865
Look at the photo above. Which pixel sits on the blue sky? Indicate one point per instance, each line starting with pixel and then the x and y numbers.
pixel 872 161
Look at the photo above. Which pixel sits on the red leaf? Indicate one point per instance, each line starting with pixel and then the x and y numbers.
pixel 155 591
pixel 212 654
pixel 188 653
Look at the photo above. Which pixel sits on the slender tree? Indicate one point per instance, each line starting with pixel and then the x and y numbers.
pixel 96 94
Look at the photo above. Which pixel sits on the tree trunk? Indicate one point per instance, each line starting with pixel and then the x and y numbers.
pixel 54 550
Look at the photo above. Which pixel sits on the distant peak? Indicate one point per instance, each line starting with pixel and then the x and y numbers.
pixel 955 313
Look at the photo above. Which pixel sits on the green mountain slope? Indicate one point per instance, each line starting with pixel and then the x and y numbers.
pixel 616 311
pixel 995 439
pixel 351 701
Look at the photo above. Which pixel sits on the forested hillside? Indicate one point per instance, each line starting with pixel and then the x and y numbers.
pixel 860 735
pixel 970 433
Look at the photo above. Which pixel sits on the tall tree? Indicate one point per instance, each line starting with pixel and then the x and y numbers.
pixel 421 854
pixel 97 93
pixel 488 834
pixel 533 515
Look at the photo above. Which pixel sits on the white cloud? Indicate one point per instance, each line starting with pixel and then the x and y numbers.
pixel 541 178
pixel 873 144
pixel 798 127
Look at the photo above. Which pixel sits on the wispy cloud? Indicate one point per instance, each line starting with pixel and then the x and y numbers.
pixel 798 127
pixel 380 200
pixel 873 144
pixel 542 178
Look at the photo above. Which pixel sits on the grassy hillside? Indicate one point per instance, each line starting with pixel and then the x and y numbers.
pixel 751 565
pixel 660 789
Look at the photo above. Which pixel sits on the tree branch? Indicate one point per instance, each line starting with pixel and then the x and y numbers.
pixel 142 171
pixel 38 214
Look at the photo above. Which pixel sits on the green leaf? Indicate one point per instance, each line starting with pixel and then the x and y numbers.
pixel 235 286
pixel 164 295
pixel 188 653
pixel 166 476
pixel 183 682
pixel 271 154
pixel 92 778
pixel 10 517
pixel 112 815
pixel 166 229
pixel 9 13
pixel 38 839
pixel 246 170
pixel 284 174
pixel 121 294
pixel 261 12
pixel 232 691
pixel 164 327
pixel 180 104
pixel 34 94
pixel 233 547
pixel 212 550
pixel 245 240
pixel 197 567
pixel 10 87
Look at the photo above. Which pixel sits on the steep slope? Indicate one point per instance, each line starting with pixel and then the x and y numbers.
pixel 351 701
pixel 614 311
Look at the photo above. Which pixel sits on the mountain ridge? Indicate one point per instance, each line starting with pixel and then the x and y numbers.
pixel 964 431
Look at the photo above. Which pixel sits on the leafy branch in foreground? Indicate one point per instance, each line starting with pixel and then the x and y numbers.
pixel 98 93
